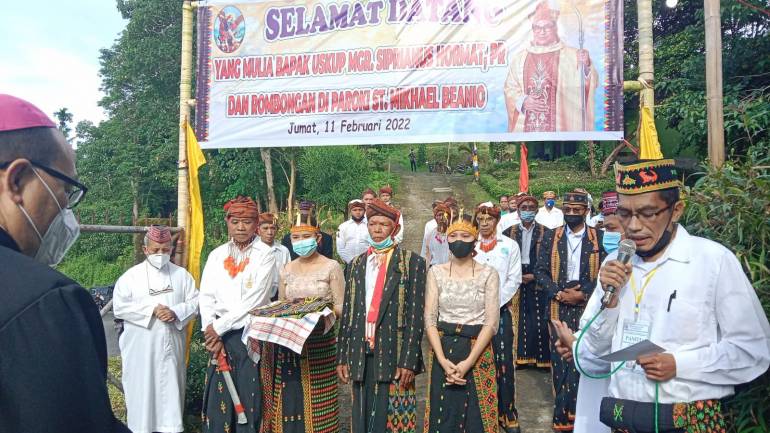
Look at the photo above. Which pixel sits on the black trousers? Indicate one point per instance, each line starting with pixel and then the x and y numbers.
pixel 218 412
pixel 370 402
pixel 502 346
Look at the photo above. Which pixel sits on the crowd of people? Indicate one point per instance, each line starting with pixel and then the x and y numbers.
pixel 495 288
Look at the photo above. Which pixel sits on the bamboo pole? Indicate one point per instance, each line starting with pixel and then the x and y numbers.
pixel 714 103
pixel 646 63
pixel 185 93
pixel 91 228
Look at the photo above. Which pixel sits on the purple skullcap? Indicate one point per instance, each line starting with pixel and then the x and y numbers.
pixel 18 114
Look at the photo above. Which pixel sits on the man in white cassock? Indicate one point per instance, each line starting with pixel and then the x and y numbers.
pixel 156 299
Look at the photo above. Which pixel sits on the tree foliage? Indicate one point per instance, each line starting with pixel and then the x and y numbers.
pixel 680 78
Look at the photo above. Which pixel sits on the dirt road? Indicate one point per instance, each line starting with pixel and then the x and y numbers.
pixel 417 192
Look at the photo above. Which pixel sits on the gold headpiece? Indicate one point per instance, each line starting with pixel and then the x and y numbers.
pixel 304 226
pixel 463 223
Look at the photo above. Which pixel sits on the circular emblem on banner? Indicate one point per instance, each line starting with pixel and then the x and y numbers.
pixel 229 29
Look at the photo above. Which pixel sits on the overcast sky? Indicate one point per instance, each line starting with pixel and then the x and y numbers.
pixel 49 52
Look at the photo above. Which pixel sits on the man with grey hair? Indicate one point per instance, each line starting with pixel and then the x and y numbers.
pixel 156 299
pixel 53 365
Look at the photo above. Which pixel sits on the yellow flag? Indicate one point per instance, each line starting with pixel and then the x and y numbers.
pixel 648 137
pixel 195 160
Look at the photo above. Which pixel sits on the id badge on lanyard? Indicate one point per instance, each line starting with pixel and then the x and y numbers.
pixel 634 331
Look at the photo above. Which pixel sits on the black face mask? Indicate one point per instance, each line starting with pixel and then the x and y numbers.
pixel 662 243
pixel 461 249
pixel 574 220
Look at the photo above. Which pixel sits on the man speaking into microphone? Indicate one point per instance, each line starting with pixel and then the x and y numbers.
pixel 685 294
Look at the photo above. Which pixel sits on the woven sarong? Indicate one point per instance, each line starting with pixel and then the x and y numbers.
pixel 469 408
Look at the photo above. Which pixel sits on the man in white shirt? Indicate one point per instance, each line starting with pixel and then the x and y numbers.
pixel 566 271
pixel 688 295
pixel 435 241
pixel 268 227
pixel 352 234
pixel 238 277
pixel 378 346
pixel 429 225
pixel 502 253
pixel 549 215
pixel 155 299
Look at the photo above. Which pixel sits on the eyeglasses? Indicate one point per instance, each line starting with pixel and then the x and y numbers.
pixel 647 215
pixel 573 210
pixel 74 189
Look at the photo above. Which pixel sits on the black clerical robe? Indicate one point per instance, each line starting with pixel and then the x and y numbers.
pixel 53 355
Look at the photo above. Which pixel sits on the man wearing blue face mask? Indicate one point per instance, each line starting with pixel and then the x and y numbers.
pixel 52 338
pixel 532 328
pixel 549 215
pixel 379 342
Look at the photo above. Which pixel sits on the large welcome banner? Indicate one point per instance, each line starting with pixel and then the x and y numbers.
pixel 301 72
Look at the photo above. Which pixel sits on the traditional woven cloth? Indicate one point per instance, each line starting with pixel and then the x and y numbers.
pixel 471 408
pixel 311 375
pixel 287 323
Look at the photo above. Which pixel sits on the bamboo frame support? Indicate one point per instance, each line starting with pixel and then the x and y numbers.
pixel 185 95
pixel 714 99
pixel 646 63
pixel 91 228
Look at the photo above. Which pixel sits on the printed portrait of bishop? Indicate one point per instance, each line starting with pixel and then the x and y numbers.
pixel 550 86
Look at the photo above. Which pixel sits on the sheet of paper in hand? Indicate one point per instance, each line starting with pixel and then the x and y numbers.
pixel 631 353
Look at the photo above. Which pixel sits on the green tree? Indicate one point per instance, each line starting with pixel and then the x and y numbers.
pixel 64 117
pixel 334 175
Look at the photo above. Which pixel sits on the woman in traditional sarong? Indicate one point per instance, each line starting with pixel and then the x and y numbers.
pixel 301 390
pixel 461 316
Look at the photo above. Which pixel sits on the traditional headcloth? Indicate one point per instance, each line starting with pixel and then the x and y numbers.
pixel 16 113
pixel 488 208
pixel 524 198
pixel 549 194
pixel 609 202
pixel 368 191
pixel 306 205
pixel 267 218
pixel 576 197
pixel 353 204
pixel 441 208
pixel 241 207
pixel 451 202
pixel 378 208
pixel 646 176
pixel 158 233
pixel 386 190
pixel 463 223
pixel 545 10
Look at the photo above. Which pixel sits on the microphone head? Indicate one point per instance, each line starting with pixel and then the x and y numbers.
pixel 626 250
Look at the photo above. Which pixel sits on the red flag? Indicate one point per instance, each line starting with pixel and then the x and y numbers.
pixel 524 174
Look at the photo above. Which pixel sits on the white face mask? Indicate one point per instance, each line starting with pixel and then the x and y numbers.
pixel 61 234
pixel 158 260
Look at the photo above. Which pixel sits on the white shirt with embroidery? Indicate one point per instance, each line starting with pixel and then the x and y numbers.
pixel 225 301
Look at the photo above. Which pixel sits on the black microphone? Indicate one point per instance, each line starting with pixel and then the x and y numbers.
pixel 626 250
